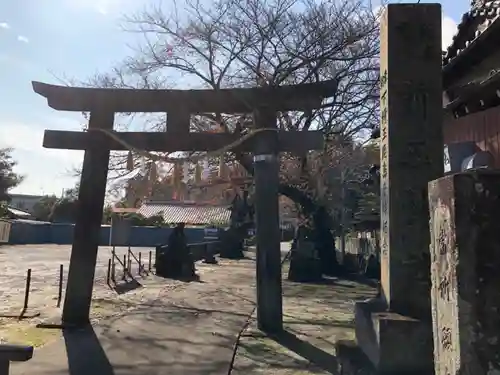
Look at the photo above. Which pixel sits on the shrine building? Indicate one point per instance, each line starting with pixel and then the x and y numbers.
pixel 471 83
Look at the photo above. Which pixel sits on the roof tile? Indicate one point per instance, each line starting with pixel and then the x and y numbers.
pixel 186 212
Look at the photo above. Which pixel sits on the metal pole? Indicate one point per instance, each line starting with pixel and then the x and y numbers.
pixel 266 173
pixel 150 256
pixel 26 293
pixel 59 293
pixel 342 215
pixel 113 271
pixel 124 267
pixel 140 263
pixel 108 275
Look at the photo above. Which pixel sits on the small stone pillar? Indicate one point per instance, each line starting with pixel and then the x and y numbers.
pixel 119 232
pixel 465 272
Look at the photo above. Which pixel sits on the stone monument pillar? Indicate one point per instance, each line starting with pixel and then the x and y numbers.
pixel 465 255
pixel 395 331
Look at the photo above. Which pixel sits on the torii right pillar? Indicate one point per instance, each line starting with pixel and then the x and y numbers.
pixel 395 331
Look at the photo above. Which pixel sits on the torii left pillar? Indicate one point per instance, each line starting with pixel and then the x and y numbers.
pixel 266 173
pixel 76 309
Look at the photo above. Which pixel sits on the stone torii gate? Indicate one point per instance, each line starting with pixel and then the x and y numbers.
pixel 179 105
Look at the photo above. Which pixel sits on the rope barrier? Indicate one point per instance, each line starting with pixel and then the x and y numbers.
pixel 193 159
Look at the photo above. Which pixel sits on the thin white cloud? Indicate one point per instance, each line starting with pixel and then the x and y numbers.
pixel 449 27
pixel 46 170
pixel 22 39
pixel 4 25
pixel 29 138
pixel 103 7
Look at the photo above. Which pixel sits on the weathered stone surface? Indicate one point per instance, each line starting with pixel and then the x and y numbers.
pixel 465 254
pixel 411 150
pixel 398 336
pixel 394 343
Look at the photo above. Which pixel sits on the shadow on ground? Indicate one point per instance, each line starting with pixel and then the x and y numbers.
pixel 150 340
pixel 316 316
pixel 85 353
pixel 284 353
pixel 320 358
pixel 126 286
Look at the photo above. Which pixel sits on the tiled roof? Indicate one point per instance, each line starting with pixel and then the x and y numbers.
pixel 186 212
pixel 475 22
pixel 475 93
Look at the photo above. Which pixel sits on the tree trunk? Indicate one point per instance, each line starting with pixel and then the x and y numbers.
pixel 322 224
pixel 322 221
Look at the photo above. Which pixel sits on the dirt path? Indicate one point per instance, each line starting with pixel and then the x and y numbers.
pixel 44 261
pixel 315 317
pixel 188 329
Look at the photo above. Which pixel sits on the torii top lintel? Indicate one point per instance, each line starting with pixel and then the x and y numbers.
pixel 238 100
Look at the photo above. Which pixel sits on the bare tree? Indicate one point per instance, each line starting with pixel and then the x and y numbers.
pixel 264 42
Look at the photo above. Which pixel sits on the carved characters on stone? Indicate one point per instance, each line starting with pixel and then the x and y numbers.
pixel 444 252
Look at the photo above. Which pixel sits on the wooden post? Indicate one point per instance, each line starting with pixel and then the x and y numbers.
pixel 88 225
pixel 266 173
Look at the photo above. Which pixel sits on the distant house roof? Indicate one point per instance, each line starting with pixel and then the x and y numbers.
pixel 25 196
pixel 16 213
pixel 124 210
pixel 186 212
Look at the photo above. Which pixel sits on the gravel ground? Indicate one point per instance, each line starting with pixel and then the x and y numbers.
pixel 44 262
pixel 187 328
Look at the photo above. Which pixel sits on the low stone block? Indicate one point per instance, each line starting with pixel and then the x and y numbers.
pixel 351 359
pixel 395 344
pixel 465 272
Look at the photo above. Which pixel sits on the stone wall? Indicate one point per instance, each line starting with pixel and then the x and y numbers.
pixel 62 234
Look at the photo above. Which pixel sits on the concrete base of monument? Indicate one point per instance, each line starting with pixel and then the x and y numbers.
pixel 394 344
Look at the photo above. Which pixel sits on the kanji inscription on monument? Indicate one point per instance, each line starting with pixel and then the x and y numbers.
pixel 465 278
pixel 411 150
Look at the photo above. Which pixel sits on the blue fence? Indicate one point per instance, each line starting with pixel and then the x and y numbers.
pixel 24 233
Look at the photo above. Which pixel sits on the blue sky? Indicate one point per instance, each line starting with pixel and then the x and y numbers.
pixel 74 38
